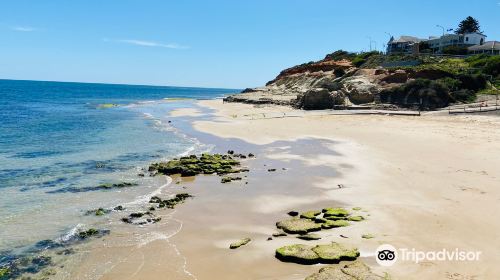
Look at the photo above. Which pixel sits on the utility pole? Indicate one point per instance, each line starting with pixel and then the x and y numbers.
pixel 439 26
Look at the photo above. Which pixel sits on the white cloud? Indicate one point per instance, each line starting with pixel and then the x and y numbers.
pixel 23 28
pixel 147 43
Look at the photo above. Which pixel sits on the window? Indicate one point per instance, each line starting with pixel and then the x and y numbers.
pixel 466 39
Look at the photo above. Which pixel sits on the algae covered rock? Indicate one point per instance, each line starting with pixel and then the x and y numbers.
pixel 356 218
pixel 335 212
pixel 309 236
pixel 298 226
pixel 304 254
pixel 298 253
pixel 353 271
pixel 334 253
pixel 92 232
pixel 98 212
pixel 310 214
pixel 239 243
pixel 194 165
pixel 335 224
pixel 229 179
pixel 4 272
pixel 367 236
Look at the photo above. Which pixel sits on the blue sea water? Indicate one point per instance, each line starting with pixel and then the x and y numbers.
pixel 59 139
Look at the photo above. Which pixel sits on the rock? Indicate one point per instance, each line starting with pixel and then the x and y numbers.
pixel 356 218
pixel 351 271
pixel 309 236
pixel 334 253
pixel 356 208
pixel 293 213
pixel 88 233
pixel 119 208
pixel 335 224
pixel 98 212
pixel 310 214
pixel 250 155
pixel 279 234
pixel 367 236
pixel 172 202
pixel 298 226
pixel 335 212
pixel 360 89
pixel 141 218
pixel 193 165
pixel 225 180
pixel 316 99
pixel 4 272
pixel 271 170
pixel 320 220
pixel 269 238
pixel 304 254
pixel 240 243
pixel 298 253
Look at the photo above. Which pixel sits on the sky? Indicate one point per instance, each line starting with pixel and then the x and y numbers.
pixel 209 43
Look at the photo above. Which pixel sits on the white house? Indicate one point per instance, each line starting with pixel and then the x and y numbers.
pixel 455 40
pixel 492 47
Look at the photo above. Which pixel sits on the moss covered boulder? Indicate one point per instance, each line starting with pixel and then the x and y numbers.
pixel 298 253
pixel 194 165
pixel 334 253
pixel 335 213
pixel 309 236
pixel 353 271
pixel 334 224
pixel 4 272
pixel 298 226
pixel 239 243
pixel 310 214
pixel 304 254
pixel 92 232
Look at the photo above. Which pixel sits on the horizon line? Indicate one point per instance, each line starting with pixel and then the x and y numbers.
pixel 116 84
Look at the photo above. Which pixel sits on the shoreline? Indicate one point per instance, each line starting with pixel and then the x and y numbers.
pixel 391 167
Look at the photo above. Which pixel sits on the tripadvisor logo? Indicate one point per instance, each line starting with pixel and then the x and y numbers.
pixel 387 255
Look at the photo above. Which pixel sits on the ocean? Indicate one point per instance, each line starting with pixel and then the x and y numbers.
pixel 58 141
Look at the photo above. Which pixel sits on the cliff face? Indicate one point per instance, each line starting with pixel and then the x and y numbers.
pixel 319 85
pixel 334 82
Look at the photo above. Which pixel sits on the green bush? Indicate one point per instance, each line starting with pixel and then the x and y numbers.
pixel 486 64
pixel 463 95
pixel 455 50
pixel 473 82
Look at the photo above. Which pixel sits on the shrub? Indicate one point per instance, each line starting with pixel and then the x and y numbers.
pixel 463 95
pixel 455 50
pixel 473 82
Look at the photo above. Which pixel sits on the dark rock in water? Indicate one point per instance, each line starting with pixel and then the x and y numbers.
pixel 141 218
pixel 330 253
pixel 250 155
pixel 92 232
pixel 239 243
pixel 172 202
pixel 269 238
pixel 271 170
pixel 119 208
pixel 94 188
pixel 293 213
pixel 279 234
pixel 352 271
pixel 98 212
pixel 4 272
pixel 66 252
pixel 193 165
pixel 231 152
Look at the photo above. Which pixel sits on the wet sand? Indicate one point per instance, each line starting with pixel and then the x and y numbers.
pixel 427 183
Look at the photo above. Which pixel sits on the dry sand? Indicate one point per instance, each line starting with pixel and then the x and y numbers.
pixel 430 182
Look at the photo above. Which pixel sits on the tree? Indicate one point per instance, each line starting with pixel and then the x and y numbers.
pixel 468 25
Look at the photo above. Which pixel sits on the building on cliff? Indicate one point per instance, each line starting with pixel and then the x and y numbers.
pixel 491 47
pixel 412 45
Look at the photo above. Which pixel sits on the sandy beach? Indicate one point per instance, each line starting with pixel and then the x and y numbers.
pixel 428 183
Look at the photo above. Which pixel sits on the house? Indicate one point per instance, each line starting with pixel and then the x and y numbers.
pixel 491 47
pixel 455 40
pixel 405 44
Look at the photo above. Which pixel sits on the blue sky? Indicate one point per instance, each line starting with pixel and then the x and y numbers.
pixel 233 44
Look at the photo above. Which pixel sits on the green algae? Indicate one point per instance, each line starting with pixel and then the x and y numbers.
pixel 356 208
pixel 239 243
pixel 309 236
pixel 356 218
pixel 298 226
pixel 193 165
pixel 88 233
pixel 335 212
pixel 310 214
pixel 335 224
pixel 304 254
pixel 4 272
pixel 367 236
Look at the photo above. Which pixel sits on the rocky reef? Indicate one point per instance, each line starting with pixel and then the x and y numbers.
pixel 194 165
pixel 239 243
